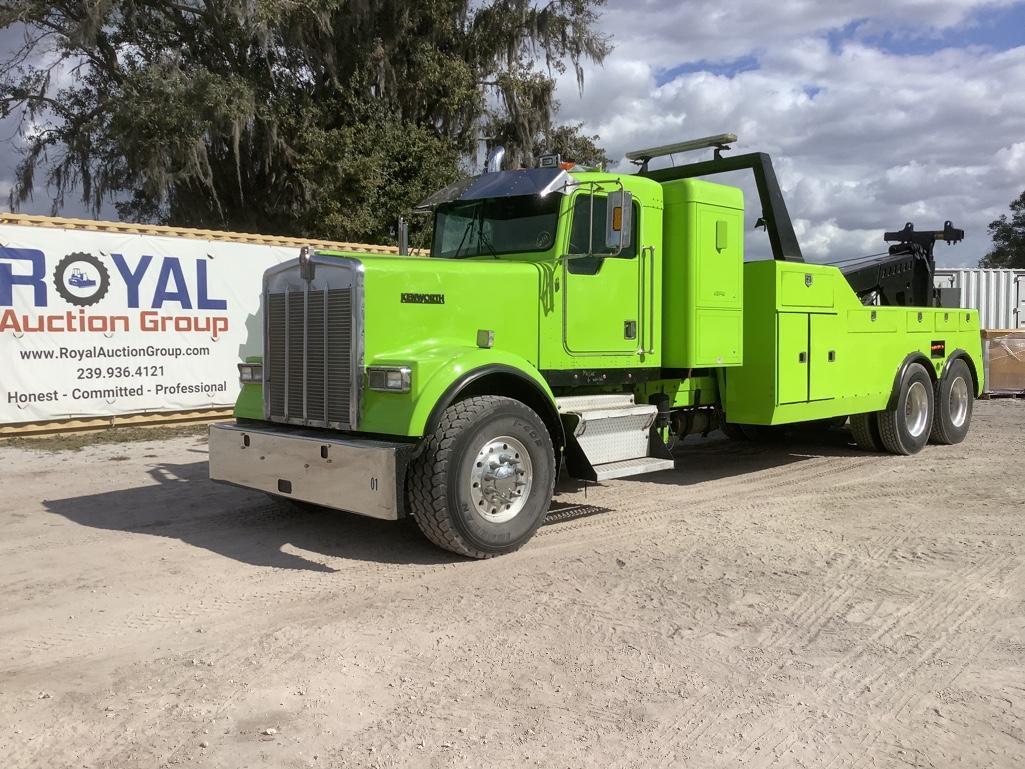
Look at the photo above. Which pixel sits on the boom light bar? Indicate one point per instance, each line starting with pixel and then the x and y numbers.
pixel 718 142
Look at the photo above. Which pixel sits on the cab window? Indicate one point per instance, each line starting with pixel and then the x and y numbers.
pixel 578 237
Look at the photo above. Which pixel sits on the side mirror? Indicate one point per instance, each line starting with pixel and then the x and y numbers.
pixel 618 221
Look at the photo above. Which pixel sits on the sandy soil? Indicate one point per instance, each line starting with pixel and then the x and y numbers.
pixel 807 605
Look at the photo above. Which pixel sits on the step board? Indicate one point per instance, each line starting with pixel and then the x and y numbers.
pixel 613 433
pixel 629 467
pixel 575 404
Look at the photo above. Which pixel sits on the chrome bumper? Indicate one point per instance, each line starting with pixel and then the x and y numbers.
pixel 355 474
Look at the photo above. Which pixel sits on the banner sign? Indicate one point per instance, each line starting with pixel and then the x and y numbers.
pixel 107 323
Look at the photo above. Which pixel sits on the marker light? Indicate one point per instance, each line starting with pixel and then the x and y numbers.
pixel 250 373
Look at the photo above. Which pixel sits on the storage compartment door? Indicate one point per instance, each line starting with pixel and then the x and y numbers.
pixel 825 375
pixel 792 363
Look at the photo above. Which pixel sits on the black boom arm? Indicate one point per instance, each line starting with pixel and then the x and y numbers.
pixel 904 275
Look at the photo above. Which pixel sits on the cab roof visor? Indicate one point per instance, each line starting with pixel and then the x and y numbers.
pixel 503 184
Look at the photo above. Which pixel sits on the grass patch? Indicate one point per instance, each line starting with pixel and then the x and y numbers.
pixel 78 441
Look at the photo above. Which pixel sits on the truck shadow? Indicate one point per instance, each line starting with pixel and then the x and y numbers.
pixel 245 526
pixel 717 457
pixel 700 459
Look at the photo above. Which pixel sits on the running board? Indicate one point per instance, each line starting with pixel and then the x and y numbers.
pixel 629 467
pixel 610 436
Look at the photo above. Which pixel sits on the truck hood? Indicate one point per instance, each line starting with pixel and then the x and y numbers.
pixel 418 305
pixel 416 308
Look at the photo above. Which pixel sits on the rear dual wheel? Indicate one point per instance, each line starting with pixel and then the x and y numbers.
pixel 955 395
pixel 865 430
pixel 904 428
pixel 924 411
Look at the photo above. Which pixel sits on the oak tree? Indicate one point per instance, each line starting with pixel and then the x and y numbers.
pixel 325 118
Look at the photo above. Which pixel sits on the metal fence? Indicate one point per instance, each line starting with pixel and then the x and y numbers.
pixel 998 295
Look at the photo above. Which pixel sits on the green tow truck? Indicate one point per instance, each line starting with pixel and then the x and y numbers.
pixel 571 320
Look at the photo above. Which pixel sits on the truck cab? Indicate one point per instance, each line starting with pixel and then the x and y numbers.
pixel 574 321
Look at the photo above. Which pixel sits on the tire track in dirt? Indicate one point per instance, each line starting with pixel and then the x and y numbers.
pixel 814 608
pixel 817 607
pixel 888 682
pixel 817 599
pixel 892 591
pixel 765 483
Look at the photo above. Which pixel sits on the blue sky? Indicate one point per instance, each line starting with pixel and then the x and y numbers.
pixel 995 28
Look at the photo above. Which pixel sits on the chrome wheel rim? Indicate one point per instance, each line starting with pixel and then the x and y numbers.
pixel 916 409
pixel 958 401
pixel 500 479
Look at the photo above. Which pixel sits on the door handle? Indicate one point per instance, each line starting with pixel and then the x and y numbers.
pixel 802 357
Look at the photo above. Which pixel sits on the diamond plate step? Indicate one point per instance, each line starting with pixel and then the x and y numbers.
pixel 629 467
pixel 576 404
pixel 613 434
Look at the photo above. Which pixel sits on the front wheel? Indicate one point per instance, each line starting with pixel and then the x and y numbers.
pixel 484 481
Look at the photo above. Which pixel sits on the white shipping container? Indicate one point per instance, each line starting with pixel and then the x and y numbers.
pixel 998 295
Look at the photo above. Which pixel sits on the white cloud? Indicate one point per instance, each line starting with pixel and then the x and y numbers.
pixel 863 139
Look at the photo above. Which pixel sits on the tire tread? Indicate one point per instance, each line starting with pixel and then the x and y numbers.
pixel 941 432
pixel 428 474
pixel 890 419
pixel 863 433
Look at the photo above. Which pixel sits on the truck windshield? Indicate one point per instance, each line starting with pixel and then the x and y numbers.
pixel 495 226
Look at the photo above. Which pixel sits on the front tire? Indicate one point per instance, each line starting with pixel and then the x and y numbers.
pixel 905 428
pixel 955 396
pixel 484 481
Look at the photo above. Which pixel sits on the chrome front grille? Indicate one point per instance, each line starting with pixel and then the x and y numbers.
pixel 311 349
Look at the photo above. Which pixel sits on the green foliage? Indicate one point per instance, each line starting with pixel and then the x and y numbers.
pixel 1008 238
pixel 572 145
pixel 297 117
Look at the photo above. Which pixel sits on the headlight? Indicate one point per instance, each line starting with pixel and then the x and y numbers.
pixel 392 379
pixel 248 373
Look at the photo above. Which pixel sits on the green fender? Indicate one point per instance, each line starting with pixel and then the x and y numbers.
pixel 468 365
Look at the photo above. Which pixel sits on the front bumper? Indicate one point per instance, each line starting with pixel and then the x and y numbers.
pixel 356 474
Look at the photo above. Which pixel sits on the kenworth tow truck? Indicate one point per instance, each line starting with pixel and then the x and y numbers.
pixel 580 321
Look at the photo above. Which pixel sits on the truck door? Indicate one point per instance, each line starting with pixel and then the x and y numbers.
pixel 602 300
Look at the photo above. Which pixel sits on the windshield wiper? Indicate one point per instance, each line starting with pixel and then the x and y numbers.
pixel 483 237
pixel 459 248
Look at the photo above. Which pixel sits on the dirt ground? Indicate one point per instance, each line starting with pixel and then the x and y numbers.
pixel 806 605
